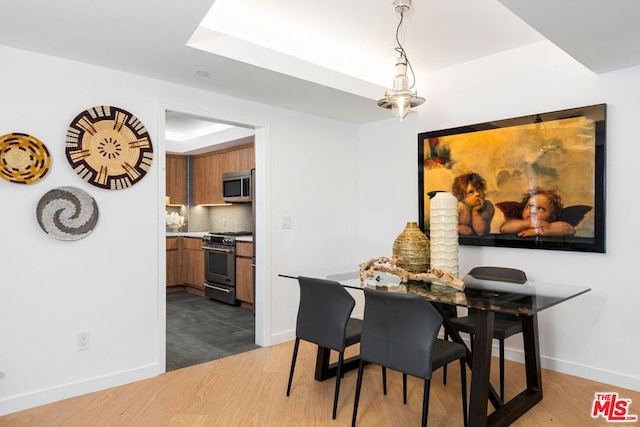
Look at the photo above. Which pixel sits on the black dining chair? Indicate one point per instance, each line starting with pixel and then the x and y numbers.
pixel 400 333
pixel 324 318
pixel 451 312
pixel 505 325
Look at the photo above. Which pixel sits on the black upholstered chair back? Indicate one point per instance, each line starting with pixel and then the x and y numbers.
pixel 325 307
pixel 499 274
pixel 405 345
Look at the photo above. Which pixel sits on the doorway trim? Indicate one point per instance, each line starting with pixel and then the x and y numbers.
pixel 262 299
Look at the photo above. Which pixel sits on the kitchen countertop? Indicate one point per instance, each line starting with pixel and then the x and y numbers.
pixel 201 234
pixel 197 234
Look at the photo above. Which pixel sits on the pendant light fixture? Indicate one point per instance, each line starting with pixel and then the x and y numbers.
pixel 401 98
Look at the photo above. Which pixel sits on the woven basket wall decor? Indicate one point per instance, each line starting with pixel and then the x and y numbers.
pixel 24 159
pixel 67 213
pixel 109 147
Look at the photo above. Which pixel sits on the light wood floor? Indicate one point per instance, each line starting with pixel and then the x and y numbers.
pixel 249 390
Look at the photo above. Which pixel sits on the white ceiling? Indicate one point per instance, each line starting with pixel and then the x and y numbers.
pixel 330 58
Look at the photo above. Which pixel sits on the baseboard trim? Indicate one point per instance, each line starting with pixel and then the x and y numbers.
pixel 283 337
pixel 66 391
pixel 606 377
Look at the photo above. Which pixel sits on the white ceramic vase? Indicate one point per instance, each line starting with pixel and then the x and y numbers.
pixel 444 232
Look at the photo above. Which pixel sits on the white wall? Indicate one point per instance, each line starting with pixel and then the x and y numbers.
pixel 593 335
pixel 111 283
pixel 349 191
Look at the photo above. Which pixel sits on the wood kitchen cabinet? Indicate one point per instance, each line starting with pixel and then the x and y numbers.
pixel 244 274
pixel 176 179
pixel 185 264
pixel 174 261
pixel 208 169
pixel 207 179
pixel 246 157
pixel 193 263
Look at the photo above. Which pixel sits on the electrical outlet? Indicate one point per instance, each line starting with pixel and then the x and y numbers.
pixel 83 340
pixel 287 222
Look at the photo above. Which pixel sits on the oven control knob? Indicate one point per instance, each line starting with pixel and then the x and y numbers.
pixel 227 241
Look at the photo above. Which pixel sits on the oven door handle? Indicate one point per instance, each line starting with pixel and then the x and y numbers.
pixel 208 248
pixel 217 288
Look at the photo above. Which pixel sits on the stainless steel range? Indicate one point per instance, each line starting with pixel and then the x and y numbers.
pixel 220 265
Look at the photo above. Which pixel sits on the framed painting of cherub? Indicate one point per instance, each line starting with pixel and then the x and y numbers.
pixel 535 181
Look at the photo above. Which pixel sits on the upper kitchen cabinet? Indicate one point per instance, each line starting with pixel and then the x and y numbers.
pixel 246 158
pixel 176 179
pixel 208 169
pixel 207 186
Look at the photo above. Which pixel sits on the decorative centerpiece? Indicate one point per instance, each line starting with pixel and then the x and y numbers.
pixel 411 248
pixel 173 221
pixel 369 268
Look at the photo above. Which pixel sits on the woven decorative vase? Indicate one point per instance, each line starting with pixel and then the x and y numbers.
pixel 444 232
pixel 413 247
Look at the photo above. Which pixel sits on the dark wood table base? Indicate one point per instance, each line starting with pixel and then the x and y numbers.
pixel 480 364
pixel 326 370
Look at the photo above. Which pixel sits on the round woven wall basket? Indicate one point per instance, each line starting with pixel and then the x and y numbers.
pixel 67 213
pixel 412 245
pixel 24 159
pixel 109 147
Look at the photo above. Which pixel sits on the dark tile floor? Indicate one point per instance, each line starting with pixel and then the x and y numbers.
pixel 200 330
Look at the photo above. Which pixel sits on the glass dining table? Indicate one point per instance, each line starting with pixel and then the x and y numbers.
pixel 486 298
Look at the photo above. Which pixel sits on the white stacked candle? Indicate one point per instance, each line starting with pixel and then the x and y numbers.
pixel 444 233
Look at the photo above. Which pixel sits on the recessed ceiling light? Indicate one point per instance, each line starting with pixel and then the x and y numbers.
pixel 202 73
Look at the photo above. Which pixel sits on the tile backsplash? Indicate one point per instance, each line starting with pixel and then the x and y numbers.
pixel 236 217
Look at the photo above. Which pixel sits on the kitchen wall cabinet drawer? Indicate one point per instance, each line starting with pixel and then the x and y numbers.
pixel 244 249
pixel 194 243
pixel 173 243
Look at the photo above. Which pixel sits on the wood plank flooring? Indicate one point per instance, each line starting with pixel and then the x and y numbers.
pixel 248 389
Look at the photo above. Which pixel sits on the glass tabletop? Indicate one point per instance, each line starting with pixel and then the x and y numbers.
pixel 512 298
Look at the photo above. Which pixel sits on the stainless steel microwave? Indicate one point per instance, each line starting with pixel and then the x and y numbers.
pixel 236 186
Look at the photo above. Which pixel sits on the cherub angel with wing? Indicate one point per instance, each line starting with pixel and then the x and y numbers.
pixel 541 213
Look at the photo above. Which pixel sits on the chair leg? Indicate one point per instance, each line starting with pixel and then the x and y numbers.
pixel 444 369
pixel 404 388
pixel 357 398
pixel 293 364
pixel 338 376
pixel 463 385
pixel 502 370
pixel 425 402
pixel 384 380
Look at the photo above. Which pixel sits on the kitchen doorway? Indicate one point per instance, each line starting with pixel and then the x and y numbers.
pixel 191 318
